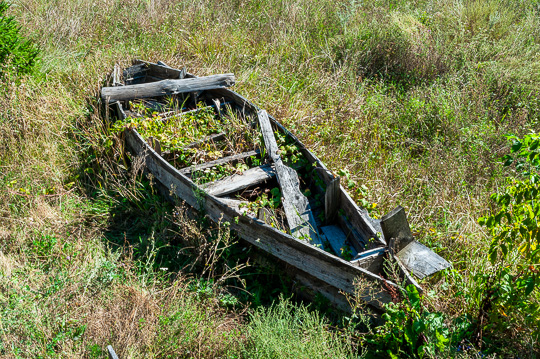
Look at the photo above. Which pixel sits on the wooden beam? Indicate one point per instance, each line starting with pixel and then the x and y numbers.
pixel 221 161
pixel 331 200
pixel 296 205
pixel 208 139
pixel 166 87
pixel 238 182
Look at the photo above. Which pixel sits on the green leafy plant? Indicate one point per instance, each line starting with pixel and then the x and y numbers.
pixel 17 54
pixel 514 228
pixel 410 330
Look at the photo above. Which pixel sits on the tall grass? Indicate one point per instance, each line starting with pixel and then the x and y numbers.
pixel 413 98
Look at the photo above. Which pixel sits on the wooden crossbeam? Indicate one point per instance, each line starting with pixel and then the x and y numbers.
pixel 237 182
pixel 166 87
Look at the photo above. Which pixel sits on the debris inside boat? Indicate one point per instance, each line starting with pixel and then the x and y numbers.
pixel 221 154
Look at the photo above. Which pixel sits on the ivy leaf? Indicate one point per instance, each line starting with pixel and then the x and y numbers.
pixel 508 160
pixel 530 286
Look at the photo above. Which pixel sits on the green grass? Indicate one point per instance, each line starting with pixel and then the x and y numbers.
pixel 412 98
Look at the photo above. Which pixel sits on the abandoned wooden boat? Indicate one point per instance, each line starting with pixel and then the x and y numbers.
pixel 221 154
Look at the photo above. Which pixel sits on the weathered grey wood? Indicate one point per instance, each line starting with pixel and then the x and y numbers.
pixel 402 269
pixel 330 271
pixel 355 238
pixel 395 225
pixel 154 143
pixel 112 354
pixel 266 215
pixel 240 206
pixel 208 139
pixel 371 260
pixel 296 205
pixel 336 238
pixel 327 268
pixel 162 71
pixel 221 161
pixel 116 76
pixel 135 74
pixel 237 182
pixel 420 260
pixel 166 87
pixel 331 200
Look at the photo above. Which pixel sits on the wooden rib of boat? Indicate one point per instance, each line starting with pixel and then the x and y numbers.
pixel 279 196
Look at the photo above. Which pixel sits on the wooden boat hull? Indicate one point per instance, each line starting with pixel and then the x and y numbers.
pixel 326 273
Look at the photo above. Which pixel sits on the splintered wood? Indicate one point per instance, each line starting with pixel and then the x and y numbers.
pixel 295 204
pixel 166 87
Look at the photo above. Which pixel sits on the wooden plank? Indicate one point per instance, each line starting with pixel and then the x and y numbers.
pixel 166 87
pixel 208 139
pixel 162 71
pixel 237 182
pixel 221 161
pixel 331 200
pixel 112 354
pixel 355 238
pixel 116 76
pixel 395 226
pixel 371 260
pixel 420 260
pixel 154 143
pixel 296 205
pixel 402 269
pixel 240 206
pixel 337 239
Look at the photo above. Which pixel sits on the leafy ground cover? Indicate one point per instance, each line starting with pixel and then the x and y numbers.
pixel 411 99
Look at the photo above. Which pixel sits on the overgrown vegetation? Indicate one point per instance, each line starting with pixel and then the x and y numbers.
pixel 413 100
pixel 17 54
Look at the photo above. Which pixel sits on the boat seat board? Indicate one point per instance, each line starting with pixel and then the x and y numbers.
pixel 238 182
pixel 221 161
pixel 209 139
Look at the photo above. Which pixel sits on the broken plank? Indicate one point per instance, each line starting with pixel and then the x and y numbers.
pixel 238 182
pixel 331 200
pixel 166 87
pixel 395 226
pixel 161 70
pixel 221 161
pixel 208 139
pixel 154 143
pixel 296 205
pixel 371 260
pixel 421 260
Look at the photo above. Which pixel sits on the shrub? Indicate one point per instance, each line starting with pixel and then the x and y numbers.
pixel 17 54
pixel 509 294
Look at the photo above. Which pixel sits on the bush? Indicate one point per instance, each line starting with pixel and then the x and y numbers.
pixel 510 293
pixel 17 54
